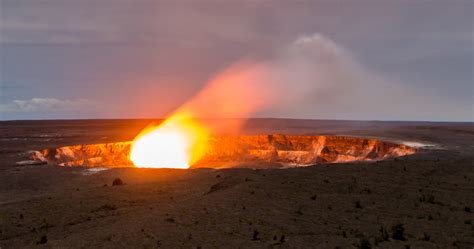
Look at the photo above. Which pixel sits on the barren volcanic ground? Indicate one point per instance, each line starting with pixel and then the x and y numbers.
pixel 423 200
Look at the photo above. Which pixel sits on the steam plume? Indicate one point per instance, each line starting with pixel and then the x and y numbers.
pixel 313 74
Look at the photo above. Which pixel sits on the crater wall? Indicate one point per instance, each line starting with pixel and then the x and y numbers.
pixel 223 151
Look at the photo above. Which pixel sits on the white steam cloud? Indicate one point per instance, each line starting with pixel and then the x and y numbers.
pixel 312 77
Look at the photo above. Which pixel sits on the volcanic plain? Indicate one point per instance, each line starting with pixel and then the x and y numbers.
pixel 422 200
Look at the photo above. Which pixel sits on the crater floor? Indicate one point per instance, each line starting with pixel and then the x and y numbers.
pixel 423 200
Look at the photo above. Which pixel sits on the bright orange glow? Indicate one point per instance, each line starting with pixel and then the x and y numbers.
pixel 181 141
pixel 177 143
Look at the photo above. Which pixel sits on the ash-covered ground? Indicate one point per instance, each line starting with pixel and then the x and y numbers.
pixel 425 200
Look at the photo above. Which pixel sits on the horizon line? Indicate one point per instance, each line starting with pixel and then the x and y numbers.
pixel 249 118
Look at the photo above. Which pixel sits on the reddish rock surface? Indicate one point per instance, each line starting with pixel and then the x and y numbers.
pixel 232 151
pixel 91 155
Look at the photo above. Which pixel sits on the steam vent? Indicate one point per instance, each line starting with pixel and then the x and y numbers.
pixel 258 151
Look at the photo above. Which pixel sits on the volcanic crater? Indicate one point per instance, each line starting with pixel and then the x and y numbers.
pixel 259 151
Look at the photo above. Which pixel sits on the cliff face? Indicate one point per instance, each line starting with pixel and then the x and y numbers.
pixel 91 155
pixel 300 150
pixel 226 150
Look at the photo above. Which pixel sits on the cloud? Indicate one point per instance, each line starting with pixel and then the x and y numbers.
pixel 45 105
pixel 56 22
pixel 130 21
pixel 111 42
pixel 26 32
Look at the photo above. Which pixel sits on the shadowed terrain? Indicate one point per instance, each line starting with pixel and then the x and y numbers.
pixel 424 200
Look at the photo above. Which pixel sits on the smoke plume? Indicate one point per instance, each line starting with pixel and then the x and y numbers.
pixel 312 76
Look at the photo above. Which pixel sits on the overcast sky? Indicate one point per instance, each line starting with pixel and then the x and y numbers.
pixel 372 59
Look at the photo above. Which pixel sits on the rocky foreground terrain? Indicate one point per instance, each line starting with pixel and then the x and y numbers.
pixel 424 200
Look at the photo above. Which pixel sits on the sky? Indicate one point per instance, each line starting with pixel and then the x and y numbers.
pixel 357 60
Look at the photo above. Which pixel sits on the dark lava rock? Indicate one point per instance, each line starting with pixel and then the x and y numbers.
pixel 43 240
pixel 117 182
